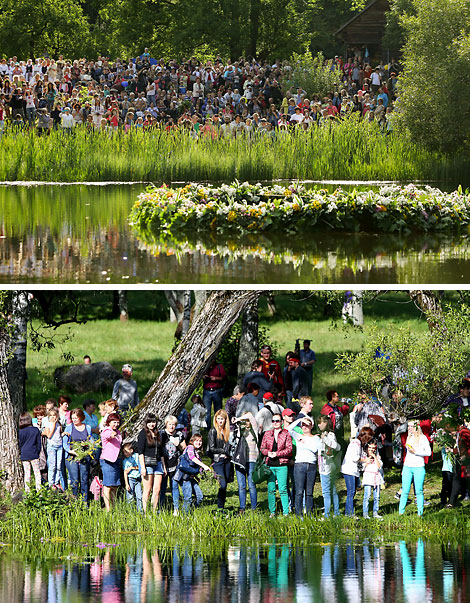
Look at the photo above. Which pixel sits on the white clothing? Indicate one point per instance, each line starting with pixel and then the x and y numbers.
pixel 327 462
pixel 351 458
pixel 416 458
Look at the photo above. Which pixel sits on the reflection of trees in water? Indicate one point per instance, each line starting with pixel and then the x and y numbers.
pixel 332 572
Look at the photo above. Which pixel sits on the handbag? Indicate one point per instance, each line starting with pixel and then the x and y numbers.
pixel 186 466
pixel 261 472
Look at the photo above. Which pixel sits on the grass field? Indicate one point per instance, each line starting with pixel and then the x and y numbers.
pixel 147 344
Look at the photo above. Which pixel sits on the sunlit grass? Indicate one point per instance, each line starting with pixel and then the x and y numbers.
pixel 347 150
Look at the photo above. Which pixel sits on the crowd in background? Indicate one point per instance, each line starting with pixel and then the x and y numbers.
pixel 266 432
pixel 208 98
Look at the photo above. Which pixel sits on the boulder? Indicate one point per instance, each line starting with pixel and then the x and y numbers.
pixel 83 378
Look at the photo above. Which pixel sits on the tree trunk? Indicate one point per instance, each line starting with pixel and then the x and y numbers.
pixel 430 304
pixel 175 300
pixel 11 469
pixel 200 297
pixel 271 304
pixel 123 307
pixel 255 9
pixel 186 312
pixel 115 307
pixel 248 348
pixel 16 367
pixel 357 314
pixel 187 365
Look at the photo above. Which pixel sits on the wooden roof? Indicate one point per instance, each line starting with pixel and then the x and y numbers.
pixel 367 27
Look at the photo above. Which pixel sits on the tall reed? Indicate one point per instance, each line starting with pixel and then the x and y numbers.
pixel 349 150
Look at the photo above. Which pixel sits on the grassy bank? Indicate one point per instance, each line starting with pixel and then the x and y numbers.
pixel 147 344
pixel 77 526
pixel 348 150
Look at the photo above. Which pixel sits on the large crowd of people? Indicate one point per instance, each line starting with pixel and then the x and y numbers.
pixel 266 432
pixel 207 98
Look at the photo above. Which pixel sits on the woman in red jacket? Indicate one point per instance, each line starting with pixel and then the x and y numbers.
pixel 276 446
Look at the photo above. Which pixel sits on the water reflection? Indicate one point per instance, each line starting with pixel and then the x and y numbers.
pixel 80 234
pixel 348 572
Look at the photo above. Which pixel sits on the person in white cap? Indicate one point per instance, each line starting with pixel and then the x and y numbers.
pixel 125 390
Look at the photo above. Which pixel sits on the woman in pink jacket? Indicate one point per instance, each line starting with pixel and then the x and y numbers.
pixel 276 446
pixel 111 440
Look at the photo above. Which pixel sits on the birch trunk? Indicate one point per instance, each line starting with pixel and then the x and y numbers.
pixel 248 348
pixel 16 368
pixel 197 349
pixel 11 469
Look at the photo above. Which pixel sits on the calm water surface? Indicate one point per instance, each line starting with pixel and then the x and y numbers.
pixel 80 234
pixel 414 573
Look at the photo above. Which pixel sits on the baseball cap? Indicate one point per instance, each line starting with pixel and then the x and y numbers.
pixel 268 396
pixel 288 412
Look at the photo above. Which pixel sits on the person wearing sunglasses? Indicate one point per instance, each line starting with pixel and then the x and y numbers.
pixel 276 446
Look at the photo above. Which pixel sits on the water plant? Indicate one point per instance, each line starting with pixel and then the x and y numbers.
pixel 243 208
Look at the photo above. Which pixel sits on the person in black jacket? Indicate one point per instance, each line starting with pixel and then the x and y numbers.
pixel 256 375
pixel 29 440
pixel 152 461
pixel 218 449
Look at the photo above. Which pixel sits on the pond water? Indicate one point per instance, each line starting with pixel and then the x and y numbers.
pixel 271 572
pixel 80 234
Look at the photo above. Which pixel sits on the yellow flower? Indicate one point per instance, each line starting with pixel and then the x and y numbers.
pixel 296 207
pixel 232 216
pixel 287 192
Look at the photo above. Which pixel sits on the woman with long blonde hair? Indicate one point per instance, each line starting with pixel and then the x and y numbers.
pixel 218 449
pixel 417 448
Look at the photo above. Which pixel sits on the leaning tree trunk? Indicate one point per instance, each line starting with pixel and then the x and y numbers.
pixel 357 314
pixel 123 306
pixel 200 298
pixel 187 365
pixel 11 469
pixel 248 348
pixel 16 368
pixel 430 304
pixel 177 300
pixel 186 312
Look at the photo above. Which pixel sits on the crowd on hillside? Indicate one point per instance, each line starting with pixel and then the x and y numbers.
pixel 267 432
pixel 211 98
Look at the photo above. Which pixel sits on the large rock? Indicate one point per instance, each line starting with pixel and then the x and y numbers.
pixel 83 378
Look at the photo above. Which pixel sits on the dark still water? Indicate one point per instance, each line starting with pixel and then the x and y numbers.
pixel 80 234
pixel 276 572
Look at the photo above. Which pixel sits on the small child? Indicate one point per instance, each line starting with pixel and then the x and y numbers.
pixel 188 482
pixel 198 414
pixel 372 478
pixel 132 477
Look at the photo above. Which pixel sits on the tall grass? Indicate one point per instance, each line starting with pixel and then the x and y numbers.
pixel 346 150
pixel 82 526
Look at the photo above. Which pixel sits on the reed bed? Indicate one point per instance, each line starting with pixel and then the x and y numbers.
pixel 350 150
pixel 78 525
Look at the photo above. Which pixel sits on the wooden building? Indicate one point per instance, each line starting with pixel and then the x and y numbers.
pixel 366 29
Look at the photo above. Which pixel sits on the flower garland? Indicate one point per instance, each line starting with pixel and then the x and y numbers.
pixel 245 207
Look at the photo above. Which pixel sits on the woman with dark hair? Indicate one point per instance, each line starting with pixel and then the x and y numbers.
pixel 152 461
pixel 350 466
pixel 63 404
pixel 276 446
pixel 218 449
pixel 79 471
pixel 111 440
pixel 29 440
pixel 328 464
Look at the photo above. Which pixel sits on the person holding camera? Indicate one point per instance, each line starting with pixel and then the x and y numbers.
pixel 271 367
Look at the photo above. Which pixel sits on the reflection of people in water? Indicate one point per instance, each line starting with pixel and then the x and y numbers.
pixel 414 582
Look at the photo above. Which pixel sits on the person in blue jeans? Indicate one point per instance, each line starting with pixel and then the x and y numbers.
pixel 327 464
pixel 244 440
pixel 132 477
pixel 79 471
pixel 188 483
pixel 213 389
pixel 350 466
pixel 417 448
pixel 55 448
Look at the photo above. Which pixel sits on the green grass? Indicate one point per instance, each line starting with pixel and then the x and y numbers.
pixel 349 150
pixel 77 525
pixel 147 344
